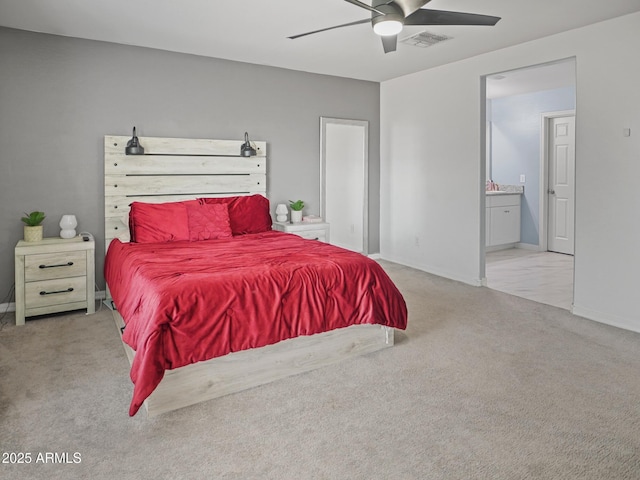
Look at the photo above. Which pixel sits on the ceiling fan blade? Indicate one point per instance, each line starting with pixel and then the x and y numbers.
pixel 364 5
pixel 410 6
pixel 366 20
pixel 425 16
pixel 389 43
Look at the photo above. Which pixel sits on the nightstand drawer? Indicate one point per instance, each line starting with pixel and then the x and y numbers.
pixel 47 266
pixel 320 235
pixel 56 292
pixel 307 230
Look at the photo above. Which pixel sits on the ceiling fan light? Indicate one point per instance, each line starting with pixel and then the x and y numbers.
pixel 388 27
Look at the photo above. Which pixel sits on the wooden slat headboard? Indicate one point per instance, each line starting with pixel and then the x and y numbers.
pixel 174 169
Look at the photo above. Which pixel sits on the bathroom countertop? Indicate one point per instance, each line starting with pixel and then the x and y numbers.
pixel 503 192
pixel 507 190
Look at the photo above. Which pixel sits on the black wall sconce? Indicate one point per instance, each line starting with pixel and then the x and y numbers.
pixel 133 146
pixel 246 150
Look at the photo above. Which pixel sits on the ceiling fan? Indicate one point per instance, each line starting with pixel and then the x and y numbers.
pixel 389 16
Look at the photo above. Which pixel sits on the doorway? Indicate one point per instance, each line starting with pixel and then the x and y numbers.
pixel 344 164
pixel 530 147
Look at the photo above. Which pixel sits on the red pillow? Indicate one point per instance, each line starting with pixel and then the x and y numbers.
pixel 248 214
pixel 159 222
pixel 208 222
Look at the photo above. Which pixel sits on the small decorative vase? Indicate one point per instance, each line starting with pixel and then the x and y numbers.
pixel 296 216
pixel 68 224
pixel 32 234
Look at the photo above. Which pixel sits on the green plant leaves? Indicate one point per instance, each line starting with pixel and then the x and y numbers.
pixel 297 205
pixel 33 219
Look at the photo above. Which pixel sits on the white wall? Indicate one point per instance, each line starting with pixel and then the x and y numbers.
pixel 432 170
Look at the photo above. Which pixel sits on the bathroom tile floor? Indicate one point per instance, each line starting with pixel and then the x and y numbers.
pixel 544 277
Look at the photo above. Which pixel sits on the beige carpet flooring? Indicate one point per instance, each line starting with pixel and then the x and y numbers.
pixel 482 385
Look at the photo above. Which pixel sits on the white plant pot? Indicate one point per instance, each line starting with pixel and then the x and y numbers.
pixel 296 216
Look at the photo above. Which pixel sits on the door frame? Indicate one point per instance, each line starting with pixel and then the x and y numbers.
pixel 364 124
pixel 543 206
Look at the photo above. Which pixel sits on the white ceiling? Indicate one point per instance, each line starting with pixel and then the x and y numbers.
pixel 256 31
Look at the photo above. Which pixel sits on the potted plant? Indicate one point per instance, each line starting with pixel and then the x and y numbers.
pixel 33 226
pixel 296 210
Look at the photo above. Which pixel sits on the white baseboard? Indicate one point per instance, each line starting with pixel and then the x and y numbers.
pixel 529 246
pixel 476 282
pixel 374 256
pixel 507 246
pixel 7 307
pixel 607 318
pixel 596 316
pixel 497 248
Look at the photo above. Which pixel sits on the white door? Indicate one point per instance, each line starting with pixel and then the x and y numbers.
pixel 344 159
pixel 561 191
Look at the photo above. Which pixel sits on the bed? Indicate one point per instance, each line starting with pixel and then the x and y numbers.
pixel 209 306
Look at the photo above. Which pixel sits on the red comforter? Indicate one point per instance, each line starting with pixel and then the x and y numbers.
pixel 184 302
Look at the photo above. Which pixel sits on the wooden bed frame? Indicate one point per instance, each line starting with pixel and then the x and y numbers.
pixel 174 169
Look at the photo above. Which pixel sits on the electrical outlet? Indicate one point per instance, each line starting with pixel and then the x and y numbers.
pixel 417 241
pixel 522 178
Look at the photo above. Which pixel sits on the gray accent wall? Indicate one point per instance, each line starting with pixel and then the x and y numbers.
pixel 59 96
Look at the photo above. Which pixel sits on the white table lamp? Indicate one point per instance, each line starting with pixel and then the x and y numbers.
pixel 68 224
pixel 281 212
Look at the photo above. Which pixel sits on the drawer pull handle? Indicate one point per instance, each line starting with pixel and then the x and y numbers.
pixel 68 264
pixel 70 289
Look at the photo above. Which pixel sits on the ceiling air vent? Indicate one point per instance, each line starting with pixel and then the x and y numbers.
pixel 425 39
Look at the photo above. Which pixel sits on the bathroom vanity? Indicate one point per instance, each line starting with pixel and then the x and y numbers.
pixel 502 217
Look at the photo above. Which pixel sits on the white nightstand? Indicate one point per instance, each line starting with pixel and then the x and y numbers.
pixel 311 231
pixel 54 275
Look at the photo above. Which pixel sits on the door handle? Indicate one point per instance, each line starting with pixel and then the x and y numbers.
pixel 551 191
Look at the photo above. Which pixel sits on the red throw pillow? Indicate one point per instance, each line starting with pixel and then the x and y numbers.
pixel 208 222
pixel 248 214
pixel 159 222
